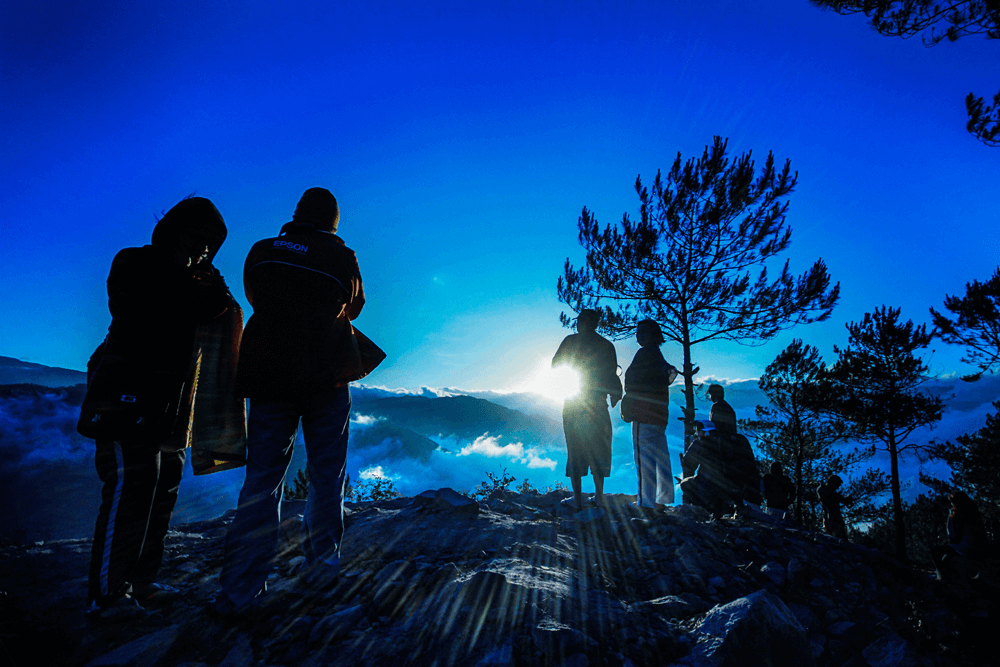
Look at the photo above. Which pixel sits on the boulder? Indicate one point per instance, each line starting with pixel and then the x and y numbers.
pixel 757 630
pixel 146 651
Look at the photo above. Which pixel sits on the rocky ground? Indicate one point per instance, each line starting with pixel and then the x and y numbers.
pixel 517 580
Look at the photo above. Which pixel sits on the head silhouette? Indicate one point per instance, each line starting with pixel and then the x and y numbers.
pixel 318 208
pixel 776 468
pixel 648 332
pixel 716 392
pixel 588 320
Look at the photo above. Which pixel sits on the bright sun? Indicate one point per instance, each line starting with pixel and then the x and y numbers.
pixel 556 384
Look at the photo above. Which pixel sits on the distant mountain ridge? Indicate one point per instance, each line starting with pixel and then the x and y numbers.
pixel 462 417
pixel 15 371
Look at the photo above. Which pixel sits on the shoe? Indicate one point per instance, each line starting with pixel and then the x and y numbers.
pixel 318 579
pixel 155 594
pixel 124 608
pixel 648 511
pixel 224 608
pixel 570 503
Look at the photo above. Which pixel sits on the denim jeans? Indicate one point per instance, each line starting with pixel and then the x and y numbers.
pixel 253 536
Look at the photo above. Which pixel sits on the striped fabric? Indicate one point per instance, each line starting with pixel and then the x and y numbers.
pixel 652 463
pixel 110 532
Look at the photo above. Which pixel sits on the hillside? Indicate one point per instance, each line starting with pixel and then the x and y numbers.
pixel 518 580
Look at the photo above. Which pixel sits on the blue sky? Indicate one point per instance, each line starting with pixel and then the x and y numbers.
pixel 462 142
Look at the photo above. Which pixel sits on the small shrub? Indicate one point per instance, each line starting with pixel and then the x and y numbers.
pixel 378 488
pixel 300 487
pixel 491 484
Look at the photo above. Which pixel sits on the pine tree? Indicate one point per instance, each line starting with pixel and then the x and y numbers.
pixel 797 431
pixel 938 21
pixel 974 462
pixel 877 377
pixel 976 324
pixel 686 263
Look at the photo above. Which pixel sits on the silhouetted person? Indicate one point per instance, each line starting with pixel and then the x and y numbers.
pixel 586 421
pixel 779 490
pixel 967 539
pixel 296 360
pixel 704 482
pixel 645 405
pixel 832 501
pixel 742 465
pixel 722 414
pixel 173 337
pixel 719 470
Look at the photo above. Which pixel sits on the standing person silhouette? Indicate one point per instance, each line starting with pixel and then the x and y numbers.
pixel 586 421
pixel 296 360
pixel 169 355
pixel 832 501
pixel 645 405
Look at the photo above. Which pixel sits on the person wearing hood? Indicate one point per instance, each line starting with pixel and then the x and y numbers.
pixel 174 334
pixel 299 353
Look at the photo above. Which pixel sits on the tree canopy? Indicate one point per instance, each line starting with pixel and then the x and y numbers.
pixel 936 22
pixel 686 263
pixel 797 431
pixel 878 377
pixel 976 324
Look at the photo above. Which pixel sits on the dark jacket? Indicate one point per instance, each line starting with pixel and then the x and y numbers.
pixel 647 383
pixel 595 359
pixel 305 288
pixel 778 491
pixel 723 416
pixel 728 464
pixel 156 307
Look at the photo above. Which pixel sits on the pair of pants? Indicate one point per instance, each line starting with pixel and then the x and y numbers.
pixel 137 499
pixel 652 463
pixel 253 536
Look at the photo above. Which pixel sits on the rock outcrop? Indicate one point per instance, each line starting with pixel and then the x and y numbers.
pixel 522 580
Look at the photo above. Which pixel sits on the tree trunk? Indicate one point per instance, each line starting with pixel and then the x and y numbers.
pixel 688 391
pixel 897 501
pixel 799 491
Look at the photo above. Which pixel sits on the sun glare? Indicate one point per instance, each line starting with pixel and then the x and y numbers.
pixel 556 384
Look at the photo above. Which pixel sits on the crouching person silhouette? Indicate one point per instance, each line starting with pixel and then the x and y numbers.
pixel 162 380
pixel 586 421
pixel 705 482
pixel 298 354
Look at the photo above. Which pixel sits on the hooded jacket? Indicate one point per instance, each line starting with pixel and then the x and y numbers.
pixel 155 303
pixel 165 317
pixel 305 288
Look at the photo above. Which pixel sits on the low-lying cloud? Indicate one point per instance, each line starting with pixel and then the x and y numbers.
pixel 490 446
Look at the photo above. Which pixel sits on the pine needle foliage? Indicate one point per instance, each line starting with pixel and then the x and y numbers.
pixel 878 378
pixel 798 431
pixel 936 22
pixel 705 228
pixel 974 323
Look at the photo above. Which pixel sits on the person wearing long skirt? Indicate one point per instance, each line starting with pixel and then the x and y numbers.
pixel 645 405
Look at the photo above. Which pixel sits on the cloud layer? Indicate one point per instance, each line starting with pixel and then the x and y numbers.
pixel 425 439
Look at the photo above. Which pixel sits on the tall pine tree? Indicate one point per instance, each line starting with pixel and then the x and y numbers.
pixel 686 263
pixel 877 377
pixel 798 431
pixel 974 323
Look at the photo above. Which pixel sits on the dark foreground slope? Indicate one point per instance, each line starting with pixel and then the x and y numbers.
pixel 517 580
